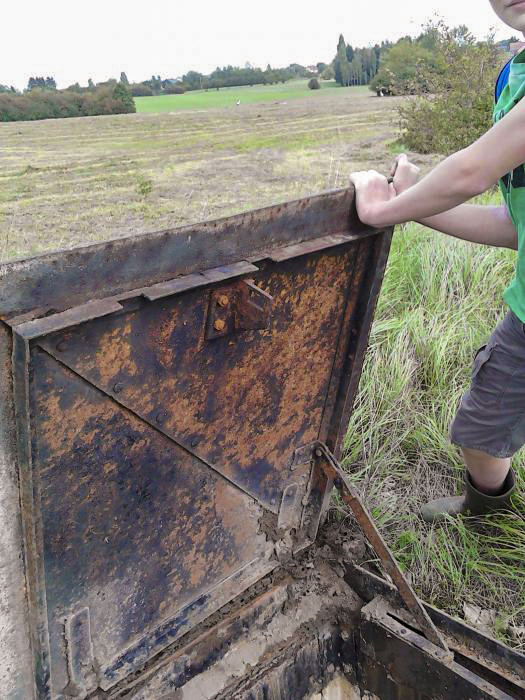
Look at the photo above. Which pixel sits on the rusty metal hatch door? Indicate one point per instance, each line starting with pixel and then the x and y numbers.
pixel 161 427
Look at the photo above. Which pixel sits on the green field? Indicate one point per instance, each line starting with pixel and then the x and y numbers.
pixel 228 97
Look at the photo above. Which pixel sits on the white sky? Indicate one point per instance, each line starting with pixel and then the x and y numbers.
pixel 74 40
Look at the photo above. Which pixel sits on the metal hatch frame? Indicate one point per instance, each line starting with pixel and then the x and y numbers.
pixel 43 298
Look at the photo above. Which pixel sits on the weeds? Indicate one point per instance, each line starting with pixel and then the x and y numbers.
pixel 144 185
pixel 440 300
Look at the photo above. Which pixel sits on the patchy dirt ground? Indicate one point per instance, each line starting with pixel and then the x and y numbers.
pixel 66 182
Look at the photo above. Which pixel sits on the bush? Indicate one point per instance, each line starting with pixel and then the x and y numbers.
pixel 176 89
pixel 457 109
pixel 122 94
pixel 405 69
pixel 328 73
pixel 114 98
pixel 314 84
pixel 141 90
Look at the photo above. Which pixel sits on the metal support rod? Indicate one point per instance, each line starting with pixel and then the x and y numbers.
pixel 333 471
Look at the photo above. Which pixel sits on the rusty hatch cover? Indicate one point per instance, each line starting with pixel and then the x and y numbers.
pixel 168 389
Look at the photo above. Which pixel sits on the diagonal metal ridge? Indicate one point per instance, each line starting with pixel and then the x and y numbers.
pixel 158 429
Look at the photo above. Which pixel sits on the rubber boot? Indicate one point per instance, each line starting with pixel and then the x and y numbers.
pixel 473 502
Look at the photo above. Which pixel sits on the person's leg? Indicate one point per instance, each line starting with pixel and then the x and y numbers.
pixel 489 426
pixel 488 474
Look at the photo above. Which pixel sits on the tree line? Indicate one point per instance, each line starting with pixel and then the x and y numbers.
pixel 403 67
pixel 42 100
pixel 355 66
pixel 227 76
pixel 415 66
pixel 410 66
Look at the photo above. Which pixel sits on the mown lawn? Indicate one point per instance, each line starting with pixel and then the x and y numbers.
pixel 227 97
pixel 65 182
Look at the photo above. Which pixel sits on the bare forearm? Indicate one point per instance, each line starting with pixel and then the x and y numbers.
pixel 450 184
pixel 456 180
pixel 488 225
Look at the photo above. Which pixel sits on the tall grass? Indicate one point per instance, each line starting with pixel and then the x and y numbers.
pixel 441 299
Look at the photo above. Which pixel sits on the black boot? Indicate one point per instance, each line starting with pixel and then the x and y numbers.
pixel 473 502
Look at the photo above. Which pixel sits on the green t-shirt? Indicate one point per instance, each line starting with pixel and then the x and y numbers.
pixel 512 186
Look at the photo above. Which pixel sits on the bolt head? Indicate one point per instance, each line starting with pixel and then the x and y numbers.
pixel 223 300
pixel 219 325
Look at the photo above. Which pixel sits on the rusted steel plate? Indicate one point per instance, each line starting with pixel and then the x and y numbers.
pixel 66 278
pixel 168 391
pixel 133 528
pixel 242 403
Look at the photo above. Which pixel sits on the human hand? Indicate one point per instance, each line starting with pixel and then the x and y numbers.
pixel 405 173
pixel 373 192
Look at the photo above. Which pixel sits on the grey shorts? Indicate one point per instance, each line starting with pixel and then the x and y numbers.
pixel 491 415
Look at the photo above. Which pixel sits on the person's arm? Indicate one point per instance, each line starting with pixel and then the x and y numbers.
pixel 457 179
pixel 488 225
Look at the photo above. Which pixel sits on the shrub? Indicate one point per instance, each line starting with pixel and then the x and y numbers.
pixel 176 89
pixel 112 98
pixel 122 94
pixel 457 109
pixel 314 84
pixel 141 90
pixel 405 69
pixel 328 73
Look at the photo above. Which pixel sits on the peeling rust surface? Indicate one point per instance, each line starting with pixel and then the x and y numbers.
pixel 130 522
pixel 243 402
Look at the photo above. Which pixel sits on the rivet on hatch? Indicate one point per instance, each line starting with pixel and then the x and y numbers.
pixel 219 324
pixel 223 300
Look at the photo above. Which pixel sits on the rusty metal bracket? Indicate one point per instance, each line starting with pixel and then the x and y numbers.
pixel 240 307
pixel 302 455
pixel 333 470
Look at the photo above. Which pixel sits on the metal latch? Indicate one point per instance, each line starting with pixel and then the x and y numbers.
pixel 240 307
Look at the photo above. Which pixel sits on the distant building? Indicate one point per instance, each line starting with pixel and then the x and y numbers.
pixel 312 69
